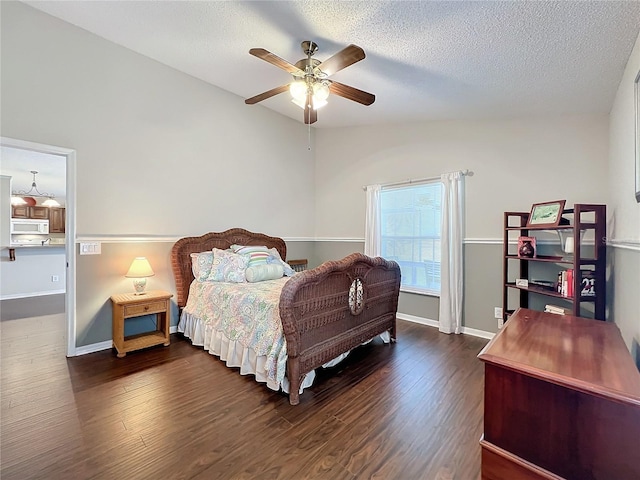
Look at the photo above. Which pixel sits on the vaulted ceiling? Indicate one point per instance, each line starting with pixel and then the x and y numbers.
pixel 425 61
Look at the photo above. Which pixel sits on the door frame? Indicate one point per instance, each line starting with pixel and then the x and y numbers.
pixel 70 228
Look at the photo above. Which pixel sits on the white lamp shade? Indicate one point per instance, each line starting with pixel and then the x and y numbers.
pixel 50 202
pixel 140 268
pixel 18 201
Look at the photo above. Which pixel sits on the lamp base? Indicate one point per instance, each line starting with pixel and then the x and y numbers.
pixel 139 285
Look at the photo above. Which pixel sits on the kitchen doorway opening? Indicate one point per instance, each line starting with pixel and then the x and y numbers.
pixel 70 227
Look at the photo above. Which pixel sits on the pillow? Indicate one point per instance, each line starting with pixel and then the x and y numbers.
pixel 260 273
pixel 228 267
pixel 201 265
pixel 257 254
pixel 275 258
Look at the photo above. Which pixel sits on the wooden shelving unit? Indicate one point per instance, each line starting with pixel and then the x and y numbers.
pixel 583 218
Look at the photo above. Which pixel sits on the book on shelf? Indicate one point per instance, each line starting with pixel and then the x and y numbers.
pixel 545 284
pixel 565 282
pixel 555 309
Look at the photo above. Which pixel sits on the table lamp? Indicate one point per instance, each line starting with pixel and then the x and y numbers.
pixel 139 270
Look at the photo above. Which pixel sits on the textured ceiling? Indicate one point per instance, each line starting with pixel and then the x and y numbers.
pixel 426 60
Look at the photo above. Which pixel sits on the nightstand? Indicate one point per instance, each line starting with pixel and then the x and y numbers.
pixel 129 305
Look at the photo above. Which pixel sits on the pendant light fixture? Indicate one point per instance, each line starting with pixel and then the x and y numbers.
pixel 17 197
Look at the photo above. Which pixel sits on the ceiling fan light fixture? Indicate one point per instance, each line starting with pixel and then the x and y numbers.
pixel 320 91
pixel 318 103
pixel 298 90
pixel 300 102
pixel 310 87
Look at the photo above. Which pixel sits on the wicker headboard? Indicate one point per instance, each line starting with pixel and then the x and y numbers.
pixel 183 248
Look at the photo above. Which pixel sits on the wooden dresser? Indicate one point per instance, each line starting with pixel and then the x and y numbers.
pixel 562 401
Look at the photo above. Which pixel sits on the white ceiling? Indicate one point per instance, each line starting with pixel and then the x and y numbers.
pixel 426 60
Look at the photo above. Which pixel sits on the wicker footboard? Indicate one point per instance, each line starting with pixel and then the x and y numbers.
pixel 335 307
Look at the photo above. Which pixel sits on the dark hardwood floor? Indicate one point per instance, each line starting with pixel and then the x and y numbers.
pixel 412 410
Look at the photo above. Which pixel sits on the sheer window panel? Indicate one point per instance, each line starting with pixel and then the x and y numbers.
pixel 410 217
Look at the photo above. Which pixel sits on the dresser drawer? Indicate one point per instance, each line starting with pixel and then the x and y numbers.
pixel 151 307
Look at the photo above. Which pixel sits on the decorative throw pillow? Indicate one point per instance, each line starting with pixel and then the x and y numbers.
pixel 201 265
pixel 274 257
pixel 228 267
pixel 260 273
pixel 257 254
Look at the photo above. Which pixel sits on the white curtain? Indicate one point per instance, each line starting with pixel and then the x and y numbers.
pixel 372 222
pixel 451 237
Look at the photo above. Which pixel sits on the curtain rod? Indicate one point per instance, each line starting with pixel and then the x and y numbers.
pixel 466 172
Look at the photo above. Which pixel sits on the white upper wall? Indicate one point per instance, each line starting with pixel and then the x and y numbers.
pixel 158 152
pixel 516 163
pixel 624 211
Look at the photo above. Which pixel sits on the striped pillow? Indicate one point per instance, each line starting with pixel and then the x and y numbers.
pixel 258 255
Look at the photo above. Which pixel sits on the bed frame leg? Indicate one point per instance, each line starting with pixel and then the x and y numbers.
pixel 295 380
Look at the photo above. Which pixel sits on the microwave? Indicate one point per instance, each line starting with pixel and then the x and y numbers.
pixel 20 225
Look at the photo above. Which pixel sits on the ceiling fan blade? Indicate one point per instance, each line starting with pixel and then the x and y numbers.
pixel 267 94
pixel 310 114
pixel 352 93
pixel 345 57
pixel 275 60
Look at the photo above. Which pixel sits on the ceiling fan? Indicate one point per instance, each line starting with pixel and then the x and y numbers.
pixel 311 85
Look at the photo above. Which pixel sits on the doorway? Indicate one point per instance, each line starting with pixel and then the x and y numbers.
pixel 69 156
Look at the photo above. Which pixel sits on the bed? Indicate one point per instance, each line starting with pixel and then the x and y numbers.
pixel 313 317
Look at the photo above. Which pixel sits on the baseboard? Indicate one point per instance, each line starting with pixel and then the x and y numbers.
pixel 100 346
pixel 93 348
pixel 33 294
pixel 435 324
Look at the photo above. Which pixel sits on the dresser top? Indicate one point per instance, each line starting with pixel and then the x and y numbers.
pixel 583 354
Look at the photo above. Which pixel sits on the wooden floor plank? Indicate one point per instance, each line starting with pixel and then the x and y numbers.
pixel 402 411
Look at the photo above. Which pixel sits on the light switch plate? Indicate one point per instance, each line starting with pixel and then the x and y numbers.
pixel 90 248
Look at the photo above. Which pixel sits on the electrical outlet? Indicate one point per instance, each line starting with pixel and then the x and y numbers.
pixel 500 322
pixel 497 312
pixel 55 278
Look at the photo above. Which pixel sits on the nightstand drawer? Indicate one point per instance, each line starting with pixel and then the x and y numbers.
pixel 152 307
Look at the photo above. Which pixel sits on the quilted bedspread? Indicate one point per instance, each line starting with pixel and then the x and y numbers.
pixel 246 313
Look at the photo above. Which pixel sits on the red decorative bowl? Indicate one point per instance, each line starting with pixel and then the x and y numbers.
pixel 30 201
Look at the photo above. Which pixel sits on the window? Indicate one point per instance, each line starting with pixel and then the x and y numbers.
pixel 410 233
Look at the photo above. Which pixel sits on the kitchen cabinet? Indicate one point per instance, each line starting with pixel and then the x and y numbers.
pixel 36 212
pixel 57 217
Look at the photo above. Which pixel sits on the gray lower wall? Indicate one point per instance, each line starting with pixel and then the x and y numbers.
pixel 483 276
pixel 623 296
pixel 100 276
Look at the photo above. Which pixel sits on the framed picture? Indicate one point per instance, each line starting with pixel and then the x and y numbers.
pixel 637 115
pixel 546 214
